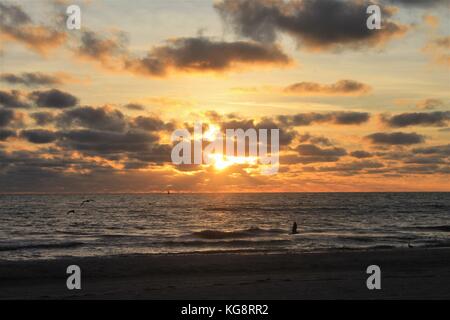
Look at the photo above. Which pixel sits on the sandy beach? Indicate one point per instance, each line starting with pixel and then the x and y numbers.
pixel 406 274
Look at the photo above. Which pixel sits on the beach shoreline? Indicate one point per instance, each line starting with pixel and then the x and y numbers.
pixel 406 274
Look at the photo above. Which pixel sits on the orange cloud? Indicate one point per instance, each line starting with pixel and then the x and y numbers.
pixel 340 88
pixel 180 55
pixel 16 25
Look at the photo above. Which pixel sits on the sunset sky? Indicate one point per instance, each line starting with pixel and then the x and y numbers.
pixel 92 110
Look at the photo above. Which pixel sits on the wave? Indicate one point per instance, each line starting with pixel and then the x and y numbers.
pixel 62 245
pixel 251 232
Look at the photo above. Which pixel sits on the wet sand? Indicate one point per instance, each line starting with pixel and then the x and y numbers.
pixel 406 274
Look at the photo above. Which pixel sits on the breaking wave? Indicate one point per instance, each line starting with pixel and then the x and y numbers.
pixel 245 233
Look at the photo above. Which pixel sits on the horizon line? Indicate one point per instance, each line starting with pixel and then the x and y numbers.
pixel 218 192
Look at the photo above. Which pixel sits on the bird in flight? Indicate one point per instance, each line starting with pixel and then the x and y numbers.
pixel 86 201
pixel 70 211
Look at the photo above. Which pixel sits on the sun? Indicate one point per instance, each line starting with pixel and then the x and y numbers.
pixel 221 162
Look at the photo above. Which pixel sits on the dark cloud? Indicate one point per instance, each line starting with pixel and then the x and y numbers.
pixel 296 159
pixel 309 153
pixel 396 138
pixel 39 136
pixel 425 160
pixel 339 117
pixel 6 117
pixel 437 119
pixel 13 14
pixel 351 168
pixel 306 137
pixel 205 55
pixel 43 118
pixel 194 54
pixel 16 24
pixel 49 174
pixel 107 51
pixel 213 116
pixel 151 124
pixel 442 150
pixel 108 143
pixel 421 169
pixel 135 164
pixel 351 117
pixel 361 154
pixel 156 153
pixel 340 88
pixel 315 24
pixel 13 99
pixel 30 79
pixel 313 150
pixel 53 98
pixel 102 119
pixel 238 124
pixel 134 106
pixel 286 135
pixel 5 134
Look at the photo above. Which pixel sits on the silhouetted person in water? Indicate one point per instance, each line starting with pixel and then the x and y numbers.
pixel 86 201
pixel 294 228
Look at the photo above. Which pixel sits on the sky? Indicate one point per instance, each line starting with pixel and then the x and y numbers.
pixel 93 110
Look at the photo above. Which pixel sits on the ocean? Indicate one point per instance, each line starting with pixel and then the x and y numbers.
pixel 39 227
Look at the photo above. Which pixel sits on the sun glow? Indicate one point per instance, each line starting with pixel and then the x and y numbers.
pixel 212 132
pixel 221 161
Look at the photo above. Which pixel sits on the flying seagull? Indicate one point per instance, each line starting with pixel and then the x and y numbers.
pixel 86 201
